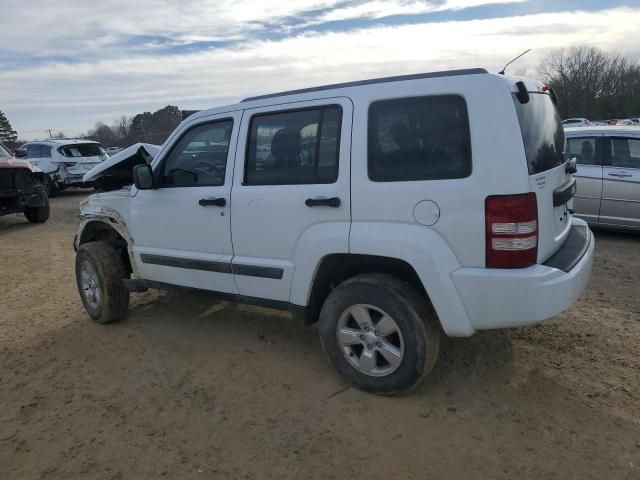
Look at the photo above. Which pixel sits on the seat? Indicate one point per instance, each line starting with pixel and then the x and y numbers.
pixel 586 153
pixel 622 154
pixel 285 148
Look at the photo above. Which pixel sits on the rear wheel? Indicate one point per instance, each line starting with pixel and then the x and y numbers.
pixel 38 214
pixel 379 334
pixel 99 275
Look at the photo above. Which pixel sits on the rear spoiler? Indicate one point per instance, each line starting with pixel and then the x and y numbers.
pixel 523 94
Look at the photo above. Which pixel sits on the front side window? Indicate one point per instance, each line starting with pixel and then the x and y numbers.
pixel 625 152
pixel 420 138
pixel 294 147
pixel 199 158
pixel 583 149
pixel 37 150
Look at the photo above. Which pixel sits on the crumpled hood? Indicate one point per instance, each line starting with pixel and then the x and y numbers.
pixel 122 163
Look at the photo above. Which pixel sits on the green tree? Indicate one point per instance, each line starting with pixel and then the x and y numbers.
pixel 8 135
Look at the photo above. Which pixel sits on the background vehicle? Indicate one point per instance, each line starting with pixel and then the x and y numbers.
pixel 386 210
pixel 63 161
pixel 576 122
pixel 112 150
pixel 22 189
pixel 608 163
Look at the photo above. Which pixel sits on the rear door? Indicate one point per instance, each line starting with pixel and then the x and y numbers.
pixel 588 152
pixel 290 192
pixel 621 182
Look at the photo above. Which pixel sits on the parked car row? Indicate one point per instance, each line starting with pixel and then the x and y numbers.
pixel 386 217
pixel 583 122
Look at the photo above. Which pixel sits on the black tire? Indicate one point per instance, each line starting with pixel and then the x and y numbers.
pixel 38 214
pixel 413 316
pixel 110 271
pixel 50 186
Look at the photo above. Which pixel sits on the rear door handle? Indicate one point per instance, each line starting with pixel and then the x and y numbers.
pixel 218 202
pixel 323 202
pixel 621 174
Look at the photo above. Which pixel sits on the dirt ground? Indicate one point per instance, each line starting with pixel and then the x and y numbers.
pixel 189 388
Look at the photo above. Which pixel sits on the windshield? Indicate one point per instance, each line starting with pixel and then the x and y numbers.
pixel 542 132
pixel 4 153
pixel 82 150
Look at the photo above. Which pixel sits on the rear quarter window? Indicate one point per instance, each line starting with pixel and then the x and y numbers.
pixel 419 138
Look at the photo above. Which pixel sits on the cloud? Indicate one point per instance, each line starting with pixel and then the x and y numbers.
pixel 73 95
pixel 384 8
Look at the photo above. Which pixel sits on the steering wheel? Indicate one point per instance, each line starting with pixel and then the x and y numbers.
pixel 210 166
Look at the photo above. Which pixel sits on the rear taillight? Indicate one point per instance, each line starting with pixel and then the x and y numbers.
pixel 511 230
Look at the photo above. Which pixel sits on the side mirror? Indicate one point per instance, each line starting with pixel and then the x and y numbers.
pixel 143 177
pixel 20 153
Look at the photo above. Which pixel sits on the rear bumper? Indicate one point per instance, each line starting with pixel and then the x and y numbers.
pixel 500 298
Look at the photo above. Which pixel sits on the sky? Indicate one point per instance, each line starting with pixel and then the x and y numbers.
pixel 66 64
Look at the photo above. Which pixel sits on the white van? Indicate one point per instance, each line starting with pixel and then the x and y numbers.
pixel 388 210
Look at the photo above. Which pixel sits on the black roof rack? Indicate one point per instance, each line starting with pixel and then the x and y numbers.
pixel 399 78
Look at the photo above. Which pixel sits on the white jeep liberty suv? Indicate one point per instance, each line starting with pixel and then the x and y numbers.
pixel 388 210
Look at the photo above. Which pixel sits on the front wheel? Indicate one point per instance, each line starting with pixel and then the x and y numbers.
pixel 99 275
pixel 379 334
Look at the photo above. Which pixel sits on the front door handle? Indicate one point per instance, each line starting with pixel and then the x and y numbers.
pixel 323 202
pixel 620 175
pixel 218 202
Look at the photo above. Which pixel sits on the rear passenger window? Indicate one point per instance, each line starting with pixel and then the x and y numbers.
pixel 584 150
pixel 419 138
pixel 294 147
pixel 625 152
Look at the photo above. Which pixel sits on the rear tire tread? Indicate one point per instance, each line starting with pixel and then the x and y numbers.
pixel 416 313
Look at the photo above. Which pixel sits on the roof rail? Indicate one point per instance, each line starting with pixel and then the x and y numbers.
pixel 399 78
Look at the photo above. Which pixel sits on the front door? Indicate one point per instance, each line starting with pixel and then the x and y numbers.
pixel 587 151
pixel 181 229
pixel 621 183
pixel 291 202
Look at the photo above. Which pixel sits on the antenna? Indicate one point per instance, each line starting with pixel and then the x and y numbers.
pixel 521 55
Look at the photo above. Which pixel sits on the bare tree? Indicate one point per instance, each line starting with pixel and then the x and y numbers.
pixel 592 83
